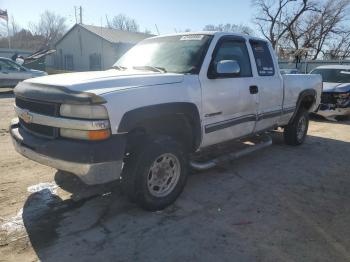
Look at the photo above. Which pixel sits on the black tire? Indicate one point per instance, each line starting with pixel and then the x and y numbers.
pixel 295 132
pixel 137 172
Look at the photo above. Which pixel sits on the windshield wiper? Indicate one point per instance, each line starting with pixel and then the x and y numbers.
pixel 119 67
pixel 150 68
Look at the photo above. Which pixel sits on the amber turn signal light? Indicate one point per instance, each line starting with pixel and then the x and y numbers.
pixel 99 134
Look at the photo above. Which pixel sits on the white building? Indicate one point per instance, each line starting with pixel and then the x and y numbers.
pixel 87 47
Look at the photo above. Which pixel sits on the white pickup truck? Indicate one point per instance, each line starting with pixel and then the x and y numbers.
pixel 165 101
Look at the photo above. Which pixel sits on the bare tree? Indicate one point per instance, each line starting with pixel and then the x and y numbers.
pixel 230 28
pixel 124 23
pixel 20 38
pixel 14 27
pixel 320 29
pixel 341 48
pixel 23 39
pixel 275 17
pixel 51 27
pixel 303 27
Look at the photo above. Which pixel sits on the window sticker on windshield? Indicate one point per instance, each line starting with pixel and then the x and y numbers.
pixel 192 37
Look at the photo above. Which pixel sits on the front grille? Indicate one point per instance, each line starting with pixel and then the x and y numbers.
pixel 40 107
pixel 328 98
pixel 46 131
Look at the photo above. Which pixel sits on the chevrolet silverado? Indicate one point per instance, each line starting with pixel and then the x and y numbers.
pixel 166 100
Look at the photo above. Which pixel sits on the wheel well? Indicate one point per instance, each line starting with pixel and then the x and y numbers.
pixel 178 126
pixel 179 120
pixel 307 102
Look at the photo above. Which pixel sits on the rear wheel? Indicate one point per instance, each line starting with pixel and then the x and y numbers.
pixel 155 173
pixel 295 132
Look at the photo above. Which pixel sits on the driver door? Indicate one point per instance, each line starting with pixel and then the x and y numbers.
pixel 229 106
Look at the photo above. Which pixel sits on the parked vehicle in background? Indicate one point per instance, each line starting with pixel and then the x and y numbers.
pixel 164 103
pixel 290 71
pixel 36 60
pixel 11 73
pixel 335 101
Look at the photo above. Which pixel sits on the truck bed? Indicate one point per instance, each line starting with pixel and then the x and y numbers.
pixel 294 84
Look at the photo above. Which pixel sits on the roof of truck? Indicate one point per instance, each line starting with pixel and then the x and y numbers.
pixel 215 33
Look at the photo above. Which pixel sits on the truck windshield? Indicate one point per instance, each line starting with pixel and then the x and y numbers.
pixel 333 75
pixel 175 54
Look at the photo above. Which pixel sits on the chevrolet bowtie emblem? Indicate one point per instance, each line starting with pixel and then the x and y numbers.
pixel 26 116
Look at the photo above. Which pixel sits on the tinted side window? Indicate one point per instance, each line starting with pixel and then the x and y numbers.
pixel 234 50
pixel 263 58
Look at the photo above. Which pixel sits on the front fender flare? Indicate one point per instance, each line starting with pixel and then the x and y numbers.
pixel 131 119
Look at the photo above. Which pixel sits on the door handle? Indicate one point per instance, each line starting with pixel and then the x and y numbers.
pixel 254 90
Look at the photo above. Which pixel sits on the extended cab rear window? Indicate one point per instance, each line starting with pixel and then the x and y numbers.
pixel 263 58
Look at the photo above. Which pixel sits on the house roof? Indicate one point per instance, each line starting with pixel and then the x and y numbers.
pixel 112 35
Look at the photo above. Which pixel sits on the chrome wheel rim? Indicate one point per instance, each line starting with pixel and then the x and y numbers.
pixel 163 175
pixel 301 128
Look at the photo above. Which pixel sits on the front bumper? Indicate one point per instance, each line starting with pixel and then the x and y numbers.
pixel 94 162
pixel 327 111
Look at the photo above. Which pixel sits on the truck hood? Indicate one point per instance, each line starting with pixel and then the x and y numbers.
pixel 336 87
pixel 101 82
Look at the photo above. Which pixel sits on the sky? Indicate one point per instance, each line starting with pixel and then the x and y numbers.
pixel 169 16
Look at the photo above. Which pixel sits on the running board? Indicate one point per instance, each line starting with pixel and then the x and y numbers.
pixel 266 141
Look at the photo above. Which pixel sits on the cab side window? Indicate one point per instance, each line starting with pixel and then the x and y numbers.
pixel 233 50
pixel 263 58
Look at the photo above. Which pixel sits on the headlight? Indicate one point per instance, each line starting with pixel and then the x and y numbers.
pixel 85 135
pixel 342 96
pixel 84 111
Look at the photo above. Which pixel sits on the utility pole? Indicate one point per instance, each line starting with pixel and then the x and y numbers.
pixel 81 15
pixel 80 20
pixel 75 13
pixel 8 33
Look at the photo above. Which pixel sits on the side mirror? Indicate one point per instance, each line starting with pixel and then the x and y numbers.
pixel 228 68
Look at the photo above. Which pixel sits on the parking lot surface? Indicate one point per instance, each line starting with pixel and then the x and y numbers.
pixel 280 204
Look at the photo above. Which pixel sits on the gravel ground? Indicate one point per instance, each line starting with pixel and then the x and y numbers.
pixel 281 204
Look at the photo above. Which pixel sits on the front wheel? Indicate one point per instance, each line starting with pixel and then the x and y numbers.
pixel 295 132
pixel 155 173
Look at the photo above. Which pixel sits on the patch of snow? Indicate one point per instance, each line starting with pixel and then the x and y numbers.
pixel 13 224
pixel 52 187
